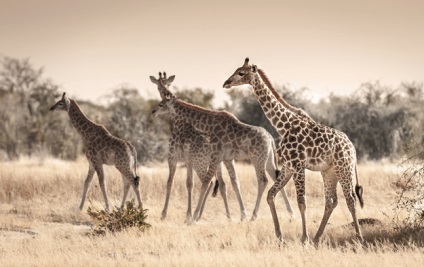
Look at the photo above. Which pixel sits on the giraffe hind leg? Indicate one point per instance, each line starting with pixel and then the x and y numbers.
pixel 282 180
pixel 330 192
pixel 274 173
pixel 101 176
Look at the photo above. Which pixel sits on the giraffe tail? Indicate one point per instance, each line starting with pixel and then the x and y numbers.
pixel 136 177
pixel 358 189
pixel 215 188
pixel 274 147
pixel 136 181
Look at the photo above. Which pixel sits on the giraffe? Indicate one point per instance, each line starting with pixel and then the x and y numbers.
pixel 305 144
pixel 102 148
pixel 193 148
pixel 177 142
pixel 230 139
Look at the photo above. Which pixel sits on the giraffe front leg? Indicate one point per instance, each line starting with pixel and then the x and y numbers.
pixel 204 201
pixel 172 164
pixel 206 186
pixel 189 185
pixel 87 183
pixel 202 196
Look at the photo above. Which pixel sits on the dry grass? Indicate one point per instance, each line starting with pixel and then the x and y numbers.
pixel 40 223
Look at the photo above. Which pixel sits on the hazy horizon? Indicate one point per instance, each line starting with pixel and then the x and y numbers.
pixel 92 47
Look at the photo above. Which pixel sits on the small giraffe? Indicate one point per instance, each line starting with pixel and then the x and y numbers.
pixel 231 139
pixel 305 144
pixel 177 142
pixel 102 148
pixel 193 147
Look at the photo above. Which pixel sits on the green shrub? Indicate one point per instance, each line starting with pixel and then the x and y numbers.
pixel 118 219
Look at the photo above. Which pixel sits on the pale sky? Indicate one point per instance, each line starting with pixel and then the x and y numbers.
pixel 90 47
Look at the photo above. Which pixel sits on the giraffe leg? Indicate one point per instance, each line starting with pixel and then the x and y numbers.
pixel 87 183
pixel 299 180
pixel 206 185
pixel 136 189
pixel 330 192
pixel 202 197
pixel 204 201
pixel 172 164
pixel 348 192
pixel 273 172
pixel 223 190
pixel 101 176
pixel 262 182
pixel 189 185
pixel 127 185
pixel 236 186
pixel 282 180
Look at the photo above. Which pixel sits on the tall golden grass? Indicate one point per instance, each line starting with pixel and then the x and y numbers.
pixel 40 224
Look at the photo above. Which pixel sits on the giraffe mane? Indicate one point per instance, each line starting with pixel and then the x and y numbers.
pixel 206 111
pixel 78 108
pixel 295 110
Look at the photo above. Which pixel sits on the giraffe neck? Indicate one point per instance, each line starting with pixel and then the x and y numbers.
pixel 295 110
pixel 204 120
pixel 84 126
pixel 278 114
pixel 163 90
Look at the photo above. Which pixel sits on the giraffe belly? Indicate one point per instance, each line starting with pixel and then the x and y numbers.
pixel 317 165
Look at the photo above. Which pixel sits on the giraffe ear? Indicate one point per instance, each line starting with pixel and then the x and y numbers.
pixel 254 68
pixel 170 79
pixel 153 79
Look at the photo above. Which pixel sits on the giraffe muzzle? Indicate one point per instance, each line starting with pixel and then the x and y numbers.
pixel 227 84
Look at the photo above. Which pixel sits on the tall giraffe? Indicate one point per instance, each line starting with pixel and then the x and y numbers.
pixel 305 144
pixel 231 139
pixel 102 148
pixel 191 146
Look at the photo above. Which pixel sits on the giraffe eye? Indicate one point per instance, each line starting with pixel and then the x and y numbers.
pixel 241 73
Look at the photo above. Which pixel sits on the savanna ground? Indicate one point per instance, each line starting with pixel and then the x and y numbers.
pixel 40 224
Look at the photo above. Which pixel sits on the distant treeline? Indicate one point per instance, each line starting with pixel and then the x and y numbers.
pixel 380 120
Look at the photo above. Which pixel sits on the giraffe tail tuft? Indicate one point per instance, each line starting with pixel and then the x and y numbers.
pixel 215 188
pixel 277 173
pixel 359 190
pixel 136 181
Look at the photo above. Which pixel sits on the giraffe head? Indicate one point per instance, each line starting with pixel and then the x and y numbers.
pixel 166 82
pixel 62 104
pixel 243 75
pixel 164 106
